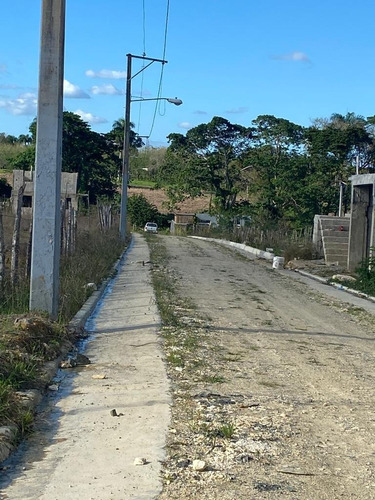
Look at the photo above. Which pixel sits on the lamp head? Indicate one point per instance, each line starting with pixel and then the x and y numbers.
pixel 175 101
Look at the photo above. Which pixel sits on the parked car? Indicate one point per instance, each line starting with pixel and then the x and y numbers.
pixel 151 227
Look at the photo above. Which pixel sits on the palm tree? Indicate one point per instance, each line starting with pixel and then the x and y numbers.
pixel 117 135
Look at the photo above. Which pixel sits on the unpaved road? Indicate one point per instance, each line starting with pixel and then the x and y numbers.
pixel 294 378
pixel 272 383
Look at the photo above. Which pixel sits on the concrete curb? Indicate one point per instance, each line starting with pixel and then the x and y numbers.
pixel 241 246
pixel 269 256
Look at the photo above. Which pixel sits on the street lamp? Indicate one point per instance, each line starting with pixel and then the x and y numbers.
pixel 126 148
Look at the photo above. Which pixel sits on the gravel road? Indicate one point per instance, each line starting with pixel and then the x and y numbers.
pixel 271 377
pixel 288 408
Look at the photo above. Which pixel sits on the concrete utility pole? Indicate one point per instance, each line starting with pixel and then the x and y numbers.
pixel 44 286
pixel 125 153
pixel 126 148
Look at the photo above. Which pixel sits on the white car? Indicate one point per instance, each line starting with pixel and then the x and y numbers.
pixel 151 227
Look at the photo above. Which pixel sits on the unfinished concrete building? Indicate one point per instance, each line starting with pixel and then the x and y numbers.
pixel 26 178
pixel 361 234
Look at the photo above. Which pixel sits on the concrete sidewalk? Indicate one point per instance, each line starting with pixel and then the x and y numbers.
pixel 88 453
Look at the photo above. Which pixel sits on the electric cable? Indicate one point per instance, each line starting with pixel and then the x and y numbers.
pixel 157 105
pixel 143 63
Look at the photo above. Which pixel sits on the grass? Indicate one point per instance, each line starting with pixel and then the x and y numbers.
pixel 142 183
pixel 92 261
pixel 227 430
pixel 28 340
pixel 213 379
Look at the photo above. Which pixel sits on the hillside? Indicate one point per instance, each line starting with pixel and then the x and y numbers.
pixel 155 196
pixel 158 198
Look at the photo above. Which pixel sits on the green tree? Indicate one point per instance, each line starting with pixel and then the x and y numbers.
pixel 140 210
pixel 207 159
pixel 84 151
pixel 117 136
pixel 274 157
pixel 145 164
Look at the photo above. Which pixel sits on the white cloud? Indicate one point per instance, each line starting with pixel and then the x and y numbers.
pixel 106 73
pixel 106 89
pixel 185 125
pixel 237 111
pixel 73 91
pixel 89 117
pixel 199 112
pixel 9 86
pixel 293 56
pixel 24 104
pixel 3 69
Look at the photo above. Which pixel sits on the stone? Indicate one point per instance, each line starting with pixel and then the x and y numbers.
pixel 140 461
pixel 199 465
pixel 343 277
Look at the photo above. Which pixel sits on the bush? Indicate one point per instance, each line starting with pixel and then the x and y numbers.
pixel 5 188
pixel 140 210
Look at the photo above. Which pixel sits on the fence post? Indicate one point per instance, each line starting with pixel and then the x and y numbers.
pixel 2 247
pixel 16 237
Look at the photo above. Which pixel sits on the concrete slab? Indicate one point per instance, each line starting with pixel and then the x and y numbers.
pixel 111 412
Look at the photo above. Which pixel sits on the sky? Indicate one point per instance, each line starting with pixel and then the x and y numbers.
pixel 238 59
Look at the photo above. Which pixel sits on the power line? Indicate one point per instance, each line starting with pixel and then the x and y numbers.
pixel 143 63
pixel 158 103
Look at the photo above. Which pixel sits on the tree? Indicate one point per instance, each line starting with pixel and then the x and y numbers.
pixel 146 163
pixel 117 135
pixel 207 159
pixel 140 210
pixel 277 146
pixel 84 151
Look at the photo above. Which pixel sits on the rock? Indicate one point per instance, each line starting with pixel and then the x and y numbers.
pixel 343 277
pixel 293 264
pixel 140 461
pixel 82 360
pixel 53 387
pixel 199 465
pixel 68 363
pixel 99 376
pixel 91 286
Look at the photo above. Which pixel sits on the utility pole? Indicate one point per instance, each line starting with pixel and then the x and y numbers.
pixel 45 260
pixel 125 152
pixel 126 147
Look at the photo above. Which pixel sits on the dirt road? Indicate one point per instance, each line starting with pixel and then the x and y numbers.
pixel 279 400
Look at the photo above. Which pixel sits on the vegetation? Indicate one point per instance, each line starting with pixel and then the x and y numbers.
pixel 273 170
pixel 365 277
pixel 141 211
pixel 27 340
pixel 92 261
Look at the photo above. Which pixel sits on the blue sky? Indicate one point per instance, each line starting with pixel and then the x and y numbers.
pixel 236 59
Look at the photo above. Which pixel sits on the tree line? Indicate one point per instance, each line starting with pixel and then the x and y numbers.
pixel 274 170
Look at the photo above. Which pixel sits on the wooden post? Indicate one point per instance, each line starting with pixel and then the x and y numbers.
pixel 16 237
pixel 2 248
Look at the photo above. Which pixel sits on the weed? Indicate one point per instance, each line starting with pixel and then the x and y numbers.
pixel 213 379
pixel 272 385
pixel 21 372
pixel 191 342
pixel 26 422
pixel 6 401
pixel 227 430
pixel 175 360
